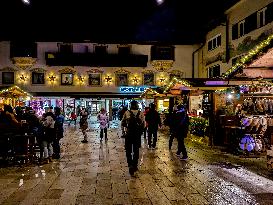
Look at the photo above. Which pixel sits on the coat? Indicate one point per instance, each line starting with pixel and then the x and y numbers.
pixel 103 120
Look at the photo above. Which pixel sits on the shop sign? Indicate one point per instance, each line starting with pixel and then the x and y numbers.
pixel 129 89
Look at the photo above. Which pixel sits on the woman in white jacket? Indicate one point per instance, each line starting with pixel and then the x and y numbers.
pixel 104 123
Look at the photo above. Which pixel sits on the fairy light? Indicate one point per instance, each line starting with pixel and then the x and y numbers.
pixel 175 81
pixel 13 88
pixel 154 92
pixel 252 54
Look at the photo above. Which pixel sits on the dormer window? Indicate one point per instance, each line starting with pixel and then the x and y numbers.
pixel 101 49
pixel 65 48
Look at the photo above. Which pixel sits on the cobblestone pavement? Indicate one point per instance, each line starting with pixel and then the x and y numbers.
pixel 97 173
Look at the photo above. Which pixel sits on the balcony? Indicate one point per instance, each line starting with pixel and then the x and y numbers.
pixel 95 60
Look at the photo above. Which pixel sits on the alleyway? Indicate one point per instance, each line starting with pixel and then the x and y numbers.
pixel 97 173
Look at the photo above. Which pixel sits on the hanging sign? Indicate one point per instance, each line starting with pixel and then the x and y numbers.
pixel 132 89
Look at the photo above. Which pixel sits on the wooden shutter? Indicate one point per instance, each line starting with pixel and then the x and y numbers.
pixel 235 31
pixel 251 23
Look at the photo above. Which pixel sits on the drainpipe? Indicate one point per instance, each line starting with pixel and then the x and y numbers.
pixel 202 45
pixel 227 40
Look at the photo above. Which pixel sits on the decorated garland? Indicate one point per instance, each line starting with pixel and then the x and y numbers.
pixel 252 55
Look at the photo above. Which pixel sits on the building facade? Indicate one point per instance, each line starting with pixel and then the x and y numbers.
pixel 247 24
pixel 72 75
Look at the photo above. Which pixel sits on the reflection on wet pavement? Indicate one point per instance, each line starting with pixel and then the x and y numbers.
pixel 97 173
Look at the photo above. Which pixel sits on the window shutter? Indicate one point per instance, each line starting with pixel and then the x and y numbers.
pixel 251 23
pixel 219 41
pixel 269 14
pixel 235 31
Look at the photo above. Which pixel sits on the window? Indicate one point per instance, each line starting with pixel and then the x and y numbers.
pixel 101 50
pixel 261 18
pixel 65 48
pixel 124 50
pixel 214 42
pixel 241 28
pixel 162 53
pixel 214 71
pixel 23 49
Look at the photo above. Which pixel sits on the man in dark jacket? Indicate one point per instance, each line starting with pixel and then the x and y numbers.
pixel 133 122
pixel 152 119
pixel 181 127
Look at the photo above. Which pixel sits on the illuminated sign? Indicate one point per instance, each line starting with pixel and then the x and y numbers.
pixel 128 89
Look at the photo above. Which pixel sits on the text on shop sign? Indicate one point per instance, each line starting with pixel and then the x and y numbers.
pixel 132 89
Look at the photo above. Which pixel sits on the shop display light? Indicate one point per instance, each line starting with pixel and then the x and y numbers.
pixel 252 54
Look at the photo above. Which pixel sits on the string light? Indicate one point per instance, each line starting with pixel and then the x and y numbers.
pixel 252 54
pixel 11 90
pixel 175 81
pixel 152 91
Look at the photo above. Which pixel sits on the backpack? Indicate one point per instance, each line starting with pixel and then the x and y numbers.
pixel 49 122
pixel 134 124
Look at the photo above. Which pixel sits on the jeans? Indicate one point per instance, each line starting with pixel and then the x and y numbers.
pixel 84 134
pixel 181 146
pixel 132 153
pixel 101 133
pixel 56 147
pixel 48 149
pixel 152 132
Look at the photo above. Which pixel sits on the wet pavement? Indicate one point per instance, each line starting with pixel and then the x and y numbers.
pixel 97 173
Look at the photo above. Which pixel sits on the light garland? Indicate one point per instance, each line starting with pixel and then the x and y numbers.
pixel 12 89
pixel 252 54
pixel 149 90
pixel 175 81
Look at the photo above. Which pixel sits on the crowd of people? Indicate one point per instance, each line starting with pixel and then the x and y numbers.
pixel 48 129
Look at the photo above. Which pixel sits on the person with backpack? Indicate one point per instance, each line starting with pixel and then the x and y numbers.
pixel 153 121
pixel 104 122
pixel 133 122
pixel 59 132
pixel 181 127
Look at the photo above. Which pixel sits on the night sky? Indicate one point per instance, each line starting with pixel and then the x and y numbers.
pixel 173 21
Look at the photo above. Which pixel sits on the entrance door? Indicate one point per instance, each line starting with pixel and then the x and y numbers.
pixel 95 107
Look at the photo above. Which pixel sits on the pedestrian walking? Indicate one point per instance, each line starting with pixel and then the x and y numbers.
pixel 153 121
pixel 170 122
pixel 84 124
pixel 104 123
pixel 146 110
pixel 133 122
pixel 59 133
pixel 181 127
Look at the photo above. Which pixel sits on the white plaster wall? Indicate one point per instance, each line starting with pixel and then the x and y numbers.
pixel 218 30
pixel 237 13
pixel 183 62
